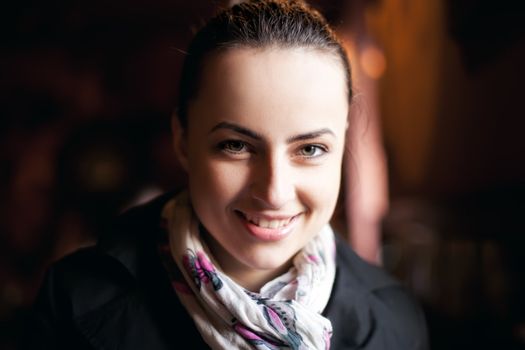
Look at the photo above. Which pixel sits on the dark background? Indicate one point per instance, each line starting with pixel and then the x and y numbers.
pixel 87 89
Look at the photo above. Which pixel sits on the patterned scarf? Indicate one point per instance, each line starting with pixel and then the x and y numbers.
pixel 285 314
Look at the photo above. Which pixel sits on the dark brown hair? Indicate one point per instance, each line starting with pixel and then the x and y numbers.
pixel 257 24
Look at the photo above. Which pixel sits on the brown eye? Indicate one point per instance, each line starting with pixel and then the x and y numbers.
pixel 233 146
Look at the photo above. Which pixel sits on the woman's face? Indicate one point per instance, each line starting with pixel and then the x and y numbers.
pixel 263 150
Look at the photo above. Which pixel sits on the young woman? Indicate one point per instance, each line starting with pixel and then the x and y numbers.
pixel 244 258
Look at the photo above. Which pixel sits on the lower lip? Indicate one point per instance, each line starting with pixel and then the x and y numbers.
pixel 269 234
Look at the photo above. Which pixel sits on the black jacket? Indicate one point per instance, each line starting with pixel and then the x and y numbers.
pixel 117 295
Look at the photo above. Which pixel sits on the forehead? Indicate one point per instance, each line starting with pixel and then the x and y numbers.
pixel 270 84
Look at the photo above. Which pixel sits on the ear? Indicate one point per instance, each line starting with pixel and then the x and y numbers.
pixel 179 141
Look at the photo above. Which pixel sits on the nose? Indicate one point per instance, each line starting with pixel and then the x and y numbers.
pixel 273 182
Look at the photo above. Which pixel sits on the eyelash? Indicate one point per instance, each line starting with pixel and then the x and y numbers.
pixel 317 148
pixel 226 146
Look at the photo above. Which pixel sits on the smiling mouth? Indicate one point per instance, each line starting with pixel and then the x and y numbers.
pixel 265 222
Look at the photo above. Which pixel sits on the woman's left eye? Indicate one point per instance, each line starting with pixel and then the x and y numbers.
pixel 312 151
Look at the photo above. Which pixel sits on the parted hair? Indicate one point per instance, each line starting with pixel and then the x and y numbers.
pixel 257 24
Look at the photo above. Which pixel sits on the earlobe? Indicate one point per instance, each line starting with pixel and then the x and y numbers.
pixel 179 141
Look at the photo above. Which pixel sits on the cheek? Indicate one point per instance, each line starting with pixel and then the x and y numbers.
pixel 215 182
pixel 322 187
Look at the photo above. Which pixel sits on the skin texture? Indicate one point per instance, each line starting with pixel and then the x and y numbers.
pixel 265 141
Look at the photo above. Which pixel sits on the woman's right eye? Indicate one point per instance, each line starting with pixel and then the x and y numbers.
pixel 233 146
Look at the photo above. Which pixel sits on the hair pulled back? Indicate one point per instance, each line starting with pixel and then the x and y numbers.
pixel 257 24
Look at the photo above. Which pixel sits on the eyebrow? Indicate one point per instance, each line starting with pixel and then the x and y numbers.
pixel 237 128
pixel 310 135
pixel 252 134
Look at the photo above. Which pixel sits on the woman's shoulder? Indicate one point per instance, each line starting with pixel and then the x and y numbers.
pixel 118 256
pixel 79 284
pixel 371 309
pixel 99 294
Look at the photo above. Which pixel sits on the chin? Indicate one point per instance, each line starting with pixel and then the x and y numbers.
pixel 270 260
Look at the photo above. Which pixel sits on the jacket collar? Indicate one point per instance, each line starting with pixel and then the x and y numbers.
pixel 133 233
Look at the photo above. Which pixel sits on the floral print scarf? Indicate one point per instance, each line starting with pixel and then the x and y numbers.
pixel 285 314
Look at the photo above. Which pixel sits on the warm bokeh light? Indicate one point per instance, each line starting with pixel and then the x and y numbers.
pixel 373 61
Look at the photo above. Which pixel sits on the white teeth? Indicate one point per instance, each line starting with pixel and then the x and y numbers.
pixel 265 223
pixel 275 224
pixel 271 223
